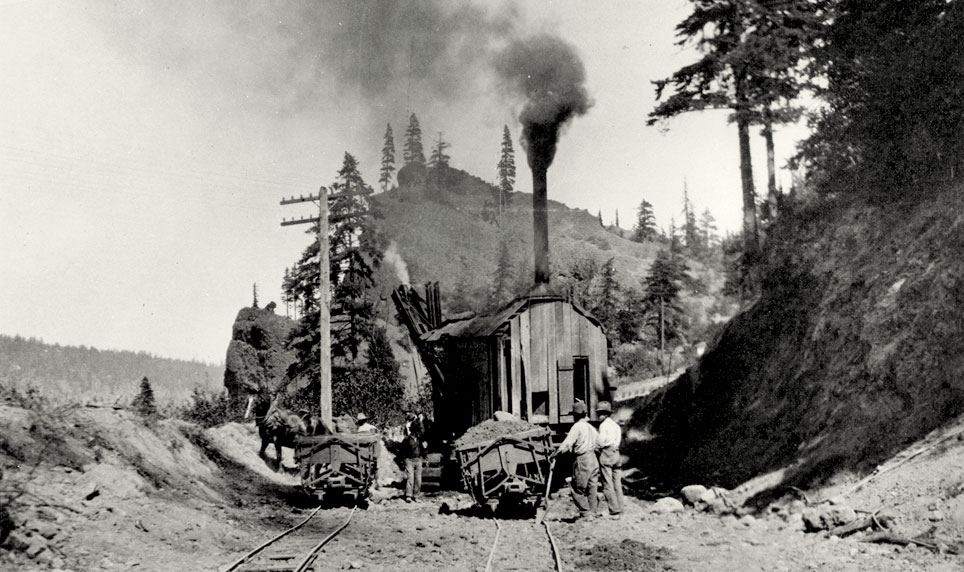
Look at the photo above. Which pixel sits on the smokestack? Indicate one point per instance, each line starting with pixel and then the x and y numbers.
pixel 546 71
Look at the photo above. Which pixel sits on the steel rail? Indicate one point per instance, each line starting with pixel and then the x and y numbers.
pixel 313 553
pixel 555 549
pixel 498 531
pixel 247 557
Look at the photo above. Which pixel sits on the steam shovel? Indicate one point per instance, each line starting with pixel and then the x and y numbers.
pixel 544 509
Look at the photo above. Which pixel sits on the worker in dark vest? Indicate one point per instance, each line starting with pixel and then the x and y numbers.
pixel 607 447
pixel 412 451
pixel 581 442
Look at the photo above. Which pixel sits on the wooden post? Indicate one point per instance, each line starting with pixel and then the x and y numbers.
pixel 324 302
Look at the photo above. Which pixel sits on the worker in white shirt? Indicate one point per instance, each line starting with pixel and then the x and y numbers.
pixel 363 425
pixel 607 446
pixel 581 441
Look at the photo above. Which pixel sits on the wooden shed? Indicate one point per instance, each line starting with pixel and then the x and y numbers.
pixel 533 359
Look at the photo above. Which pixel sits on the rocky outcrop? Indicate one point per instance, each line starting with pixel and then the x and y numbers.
pixel 256 359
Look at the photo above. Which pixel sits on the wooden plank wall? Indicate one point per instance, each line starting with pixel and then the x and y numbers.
pixel 499 373
pixel 526 369
pixel 516 366
pixel 548 314
pixel 564 353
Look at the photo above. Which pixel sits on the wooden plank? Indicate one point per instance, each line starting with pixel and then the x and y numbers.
pixel 552 358
pixel 564 334
pixel 501 373
pixel 585 339
pixel 564 352
pixel 572 319
pixel 537 348
pixel 525 372
pixel 515 366
pixel 595 378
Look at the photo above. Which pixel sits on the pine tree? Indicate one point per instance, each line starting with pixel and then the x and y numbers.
pixel 144 403
pixel 254 303
pixel 413 143
pixel 708 229
pixel 388 159
pixel 439 158
pixel 751 52
pixel 691 231
pixel 599 216
pixel 506 169
pixel 355 252
pixel 645 228
pixel 661 287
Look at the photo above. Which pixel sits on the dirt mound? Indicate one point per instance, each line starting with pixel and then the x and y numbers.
pixel 854 350
pixel 491 429
pixel 627 555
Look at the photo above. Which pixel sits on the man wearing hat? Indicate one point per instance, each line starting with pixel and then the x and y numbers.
pixel 581 441
pixel 363 425
pixel 607 446
pixel 412 451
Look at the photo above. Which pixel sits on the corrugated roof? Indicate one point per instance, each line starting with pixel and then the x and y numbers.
pixel 468 326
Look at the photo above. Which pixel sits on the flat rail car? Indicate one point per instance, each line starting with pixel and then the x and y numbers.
pixel 339 465
pixel 507 472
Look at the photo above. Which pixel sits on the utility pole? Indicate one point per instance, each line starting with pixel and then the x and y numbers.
pixel 324 302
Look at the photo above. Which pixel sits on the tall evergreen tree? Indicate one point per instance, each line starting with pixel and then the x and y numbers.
pixel 708 229
pixel 661 287
pixel 144 403
pixel 355 251
pixel 506 168
pixel 413 143
pixel 751 49
pixel 691 230
pixel 645 227
pixel 439 158
pixel 388 159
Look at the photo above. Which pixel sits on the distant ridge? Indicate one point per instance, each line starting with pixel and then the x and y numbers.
pixel 72 374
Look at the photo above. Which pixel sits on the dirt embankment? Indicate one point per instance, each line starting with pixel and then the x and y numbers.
pixel 854 350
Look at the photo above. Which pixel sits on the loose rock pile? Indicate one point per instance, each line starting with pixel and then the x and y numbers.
pixel 491 429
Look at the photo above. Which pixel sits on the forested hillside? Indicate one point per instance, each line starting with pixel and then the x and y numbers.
pixel 851 348
pixel 81 374
pixel 448 227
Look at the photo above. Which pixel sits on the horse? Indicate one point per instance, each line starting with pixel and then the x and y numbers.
pixel 275 425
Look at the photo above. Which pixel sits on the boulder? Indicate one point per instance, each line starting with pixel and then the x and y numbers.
pixel 709 495
pixel 693 493
pixel 667 505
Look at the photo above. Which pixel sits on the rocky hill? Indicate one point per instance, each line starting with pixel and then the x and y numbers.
pixel 256 358
pixel 854 350
pixel 449 230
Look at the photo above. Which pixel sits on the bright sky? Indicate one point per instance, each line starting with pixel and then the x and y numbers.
pixel 145 145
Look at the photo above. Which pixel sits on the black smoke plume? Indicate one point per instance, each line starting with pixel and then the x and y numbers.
pixel 547 73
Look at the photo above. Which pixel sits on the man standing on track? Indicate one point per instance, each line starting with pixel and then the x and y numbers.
pixel 581 441
pixel 413 448
pixel 607 444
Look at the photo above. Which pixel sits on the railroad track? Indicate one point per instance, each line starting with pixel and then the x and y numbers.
pixel 521 533
pixel 287 552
